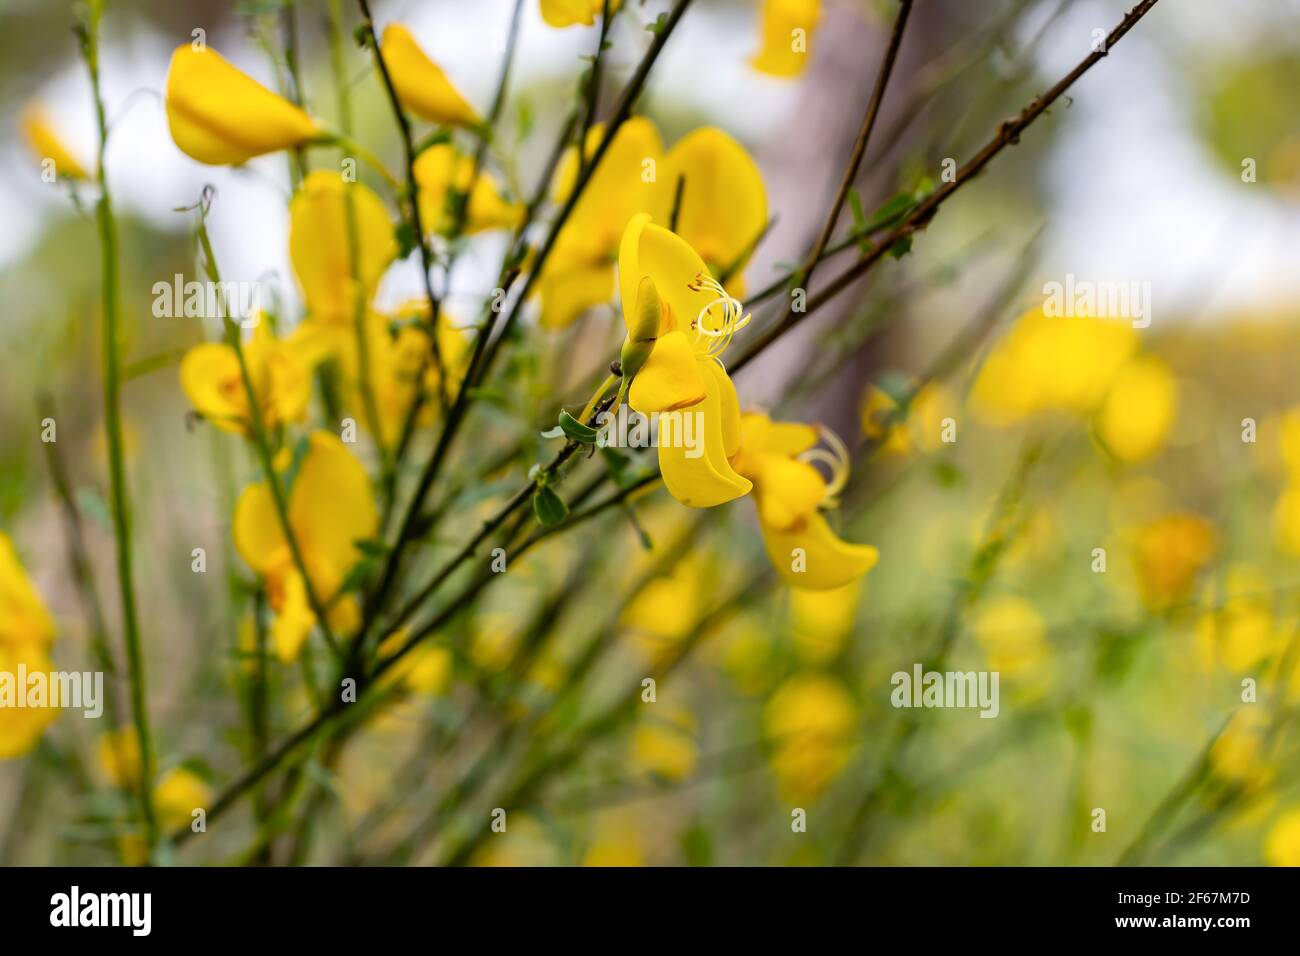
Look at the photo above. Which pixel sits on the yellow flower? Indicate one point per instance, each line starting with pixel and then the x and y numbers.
pixel 421 85
pixel 118 752
pixel 178 794
pixel 791 493
pixel 1139 410
pixel 221 116
pixel 1012 635
pixel 823 620
pixel 663 744
pixel 723 207
pixel 524 842
pixel 320 250
pixel 46 144
pixel 579 273
pixel 330 509
pixel 881 423
pixel 684 369
pixel 425 670
pixel 1168 555
pixel 810 725
pixel 618 843
pixel 786 36
pixel 1051 364
pixel 1238 754
pixel 437 170
pixel 279 369
pixel 667 609
pixel 396 359
pixel 1282 845
pixel 23 617
pixel 1241 632
pixel 567 13
pixel 26 632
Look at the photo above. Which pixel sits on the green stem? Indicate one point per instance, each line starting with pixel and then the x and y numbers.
pixel 113 426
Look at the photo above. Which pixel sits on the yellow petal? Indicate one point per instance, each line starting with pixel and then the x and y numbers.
pixel 212 381
pixel 786 33
pixel 330 509
pixel 788 491
pixel 697 473
pixel 257 533
pixel 625 183
pixel 440 167
pixel 567 13
pixel 21 727
pixel 46 144
pixel 570 285
pixel 178 794
pixel 319 247
pixel 222 116
pixel 1139 410
pixel 294 619
pixel 420 83
pixel 650 250
pixel 723 207
pixel 730 408
pixel 23 617
pixel 671 378
pixel 827 561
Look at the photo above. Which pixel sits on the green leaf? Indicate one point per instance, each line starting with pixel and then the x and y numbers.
pixel 576 430
pixel 661 21
pixel 371 547
pixel 549 507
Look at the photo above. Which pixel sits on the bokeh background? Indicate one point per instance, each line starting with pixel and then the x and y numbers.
pixel 1116 686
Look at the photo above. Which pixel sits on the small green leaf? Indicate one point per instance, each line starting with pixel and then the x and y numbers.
pixel 549 507
pixel 371 547
pixel 576 430
pixel 660 22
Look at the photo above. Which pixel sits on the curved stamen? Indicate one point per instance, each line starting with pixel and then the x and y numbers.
pixel 836 458
pixel 733 318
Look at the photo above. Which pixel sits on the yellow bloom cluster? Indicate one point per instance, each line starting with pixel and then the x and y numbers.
pixel 1085 366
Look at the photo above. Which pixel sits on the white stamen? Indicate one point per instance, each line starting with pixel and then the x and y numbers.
pixel 733 319
pixel 836 459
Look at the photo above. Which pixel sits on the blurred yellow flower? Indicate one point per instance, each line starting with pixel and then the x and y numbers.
pixel 320 248
pixel 823 620
pixel 786 36
pixel 396 360
pixel 579 273
pixel 439 170
pixel 567 13
pixel 723 203
pixel 1168 554
pixel 790 494
pixel 1139 410
pixel 1046 363
pixel 524 842
pixel 1238 754
pixel 617 843
pixel 1241 632
pixel 810 724
pixel 426 669
pixel 666 609
pixel 1012 634
pixel 26 633
pixel 421 85
pixel 118 755
pixel 178 794
pixel 330 509
pixel 684 368
pixel 223 117
pixel 663 743
pixel 1282 845
pixel 45 143
pixel 279 370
